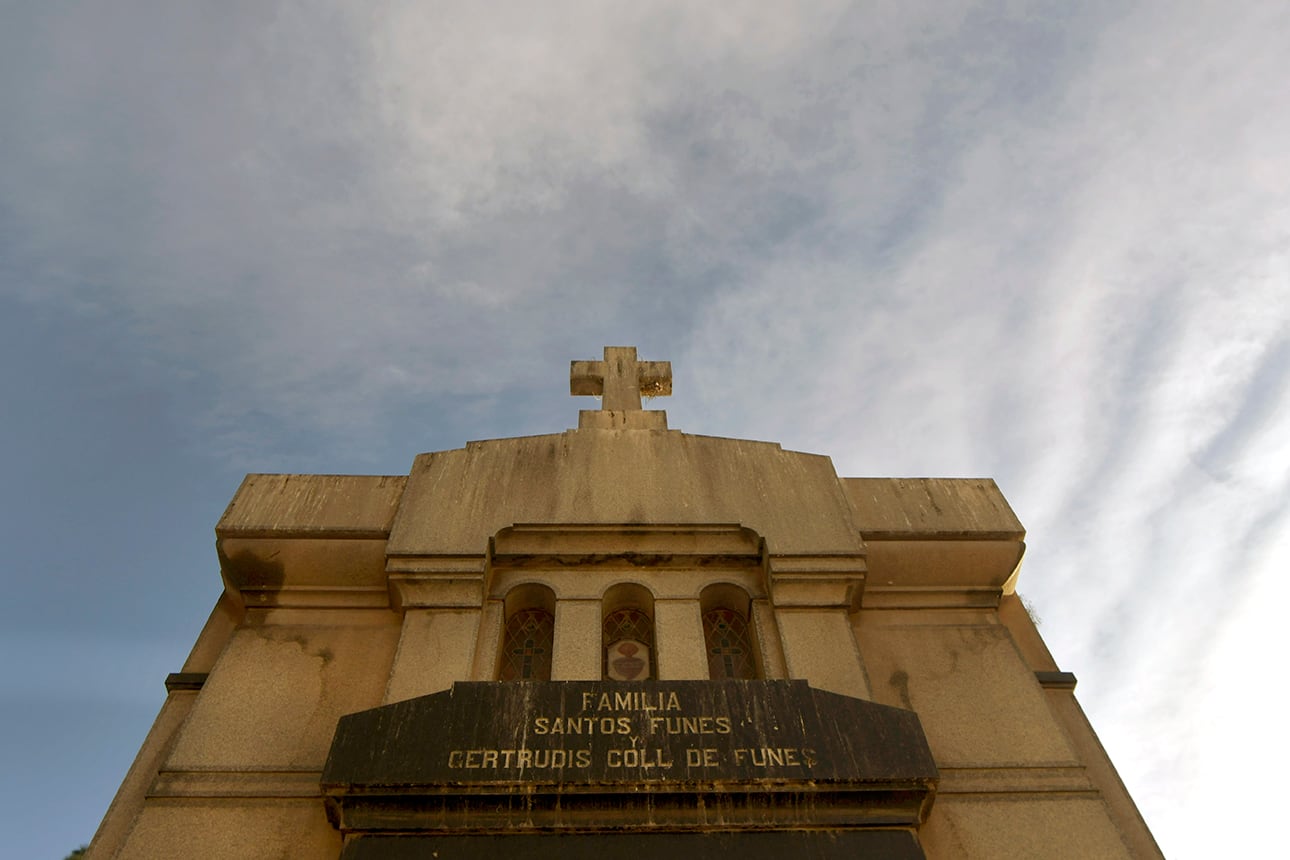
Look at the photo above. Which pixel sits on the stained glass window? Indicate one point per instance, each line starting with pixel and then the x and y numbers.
pixel 629 645
pixel 526 646
pixel 730 653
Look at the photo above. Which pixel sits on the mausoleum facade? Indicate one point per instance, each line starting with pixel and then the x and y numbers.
pixel 621 637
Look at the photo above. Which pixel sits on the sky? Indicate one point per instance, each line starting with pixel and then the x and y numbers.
pixel 1043 242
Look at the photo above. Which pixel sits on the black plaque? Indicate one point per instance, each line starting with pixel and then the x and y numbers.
pixel 602 755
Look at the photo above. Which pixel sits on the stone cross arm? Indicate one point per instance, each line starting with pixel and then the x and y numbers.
pixel 620 379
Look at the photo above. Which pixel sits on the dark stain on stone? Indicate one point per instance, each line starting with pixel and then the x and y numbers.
pixel 249 570
pixel 635 559
pixel 900 681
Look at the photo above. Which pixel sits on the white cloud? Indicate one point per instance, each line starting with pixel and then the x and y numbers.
pixel 1094 305
pixel 1027 240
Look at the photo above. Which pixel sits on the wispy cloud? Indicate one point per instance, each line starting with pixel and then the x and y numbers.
pixel 1036 241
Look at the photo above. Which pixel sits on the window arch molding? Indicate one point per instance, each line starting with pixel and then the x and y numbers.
pixel 728 636
pixel 628 649
pixel 528 633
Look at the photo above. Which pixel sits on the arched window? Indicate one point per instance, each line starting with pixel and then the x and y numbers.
pixel 628 634
pixel 726 633
pixel 528 635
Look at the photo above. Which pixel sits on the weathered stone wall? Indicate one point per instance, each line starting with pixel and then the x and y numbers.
pixel 345 593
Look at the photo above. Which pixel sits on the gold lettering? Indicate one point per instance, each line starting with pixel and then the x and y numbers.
pixel 643 759
pixel 631 700
pixel 480 759
pixel 775 756
pixel 703 757
pixel 691 725
pixel 611 725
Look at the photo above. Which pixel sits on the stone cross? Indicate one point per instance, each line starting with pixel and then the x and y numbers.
pixel 620 379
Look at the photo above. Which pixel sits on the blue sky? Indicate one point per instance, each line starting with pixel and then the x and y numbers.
pixel 1039 241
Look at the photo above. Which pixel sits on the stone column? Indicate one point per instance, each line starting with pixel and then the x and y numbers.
pixel 441 600
pixel 490 637
pixel 769 642
pixel 576 650
pixel 814 598
pixel 678 639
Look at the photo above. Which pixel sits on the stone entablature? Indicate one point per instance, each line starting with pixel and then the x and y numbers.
pixel 278 534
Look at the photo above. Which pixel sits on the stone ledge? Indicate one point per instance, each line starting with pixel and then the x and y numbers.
pixel 655 544
pixel 1056 680
pixel 412 591
pixel 895 844
pixel 932 508
pixel 622 419
pixel 202 783
pixel 1014 780
pixel 928 597
pixel 185 681
pixel 754 808
pixel 817 581
pixel 959 564
pixel 320 561
pixel 339 597
pixel 311 504
pixel 958 616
